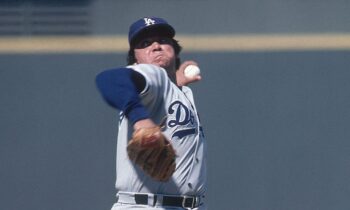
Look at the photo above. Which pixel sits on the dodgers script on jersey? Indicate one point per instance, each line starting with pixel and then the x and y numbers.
pixel 183 129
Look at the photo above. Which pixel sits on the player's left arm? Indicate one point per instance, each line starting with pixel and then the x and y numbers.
pixel 120 88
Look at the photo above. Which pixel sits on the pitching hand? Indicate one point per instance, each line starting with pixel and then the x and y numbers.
pixel 181 80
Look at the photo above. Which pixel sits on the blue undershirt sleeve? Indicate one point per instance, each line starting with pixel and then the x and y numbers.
pixel 121 90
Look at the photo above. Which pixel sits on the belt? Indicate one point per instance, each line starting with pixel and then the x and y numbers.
pixel 159 200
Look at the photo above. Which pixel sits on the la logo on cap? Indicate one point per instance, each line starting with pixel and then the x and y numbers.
pixel 149 21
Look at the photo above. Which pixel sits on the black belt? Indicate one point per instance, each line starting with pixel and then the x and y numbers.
pixel 167 200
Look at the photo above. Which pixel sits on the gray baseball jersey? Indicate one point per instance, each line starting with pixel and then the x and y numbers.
pixel 163 98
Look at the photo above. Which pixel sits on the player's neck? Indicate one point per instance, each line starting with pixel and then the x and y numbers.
pixel 172 75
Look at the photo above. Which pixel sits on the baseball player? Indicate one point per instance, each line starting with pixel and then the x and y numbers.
pixel 161 151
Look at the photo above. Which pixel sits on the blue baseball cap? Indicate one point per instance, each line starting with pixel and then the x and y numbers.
pixel 150 25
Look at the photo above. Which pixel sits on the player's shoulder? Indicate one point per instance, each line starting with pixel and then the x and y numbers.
pixel 141 68
pixel 186 89
pixel 148 68
pixel 149 71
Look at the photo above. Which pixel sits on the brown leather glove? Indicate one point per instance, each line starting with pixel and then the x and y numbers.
pixel 151 151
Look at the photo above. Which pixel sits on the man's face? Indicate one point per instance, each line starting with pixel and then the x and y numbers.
pixel 156 50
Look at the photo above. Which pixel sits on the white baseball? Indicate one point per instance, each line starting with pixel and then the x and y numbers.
pixel 191 71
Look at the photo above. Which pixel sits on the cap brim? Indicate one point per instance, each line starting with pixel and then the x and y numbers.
pixel 153 30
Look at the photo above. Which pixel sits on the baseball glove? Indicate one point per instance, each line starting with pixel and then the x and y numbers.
pixel 155 155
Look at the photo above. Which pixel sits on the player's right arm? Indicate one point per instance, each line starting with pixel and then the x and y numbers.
pixel 120 88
